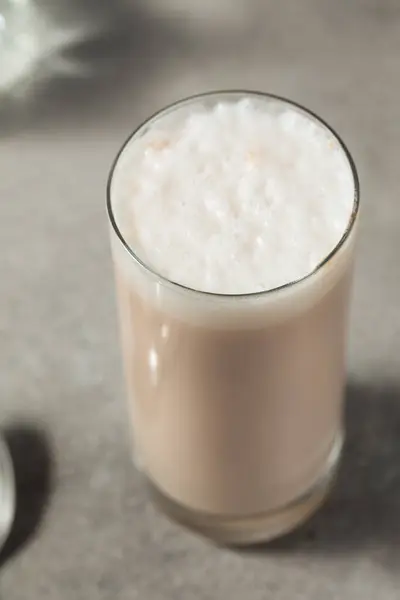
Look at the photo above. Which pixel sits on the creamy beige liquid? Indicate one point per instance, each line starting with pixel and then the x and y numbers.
pixel 234 421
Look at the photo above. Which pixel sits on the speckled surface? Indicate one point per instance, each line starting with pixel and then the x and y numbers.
pixel 85 529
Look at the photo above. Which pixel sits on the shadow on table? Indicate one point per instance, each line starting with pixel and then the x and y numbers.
pixel 364 508
pixel 31 456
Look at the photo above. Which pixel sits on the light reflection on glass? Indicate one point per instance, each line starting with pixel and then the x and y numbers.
pixel 153 365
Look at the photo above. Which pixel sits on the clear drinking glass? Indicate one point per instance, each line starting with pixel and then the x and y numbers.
pixel 236 400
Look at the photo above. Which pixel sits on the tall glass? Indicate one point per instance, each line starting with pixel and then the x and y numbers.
pixel 236 400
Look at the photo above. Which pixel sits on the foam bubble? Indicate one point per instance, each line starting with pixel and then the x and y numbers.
pixel 241 197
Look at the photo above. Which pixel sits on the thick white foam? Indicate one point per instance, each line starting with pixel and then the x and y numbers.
pixel 237 198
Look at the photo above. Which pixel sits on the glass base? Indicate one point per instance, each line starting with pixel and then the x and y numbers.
pixel 263 527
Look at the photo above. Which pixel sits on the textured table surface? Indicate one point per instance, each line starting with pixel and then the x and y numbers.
pixel 84 528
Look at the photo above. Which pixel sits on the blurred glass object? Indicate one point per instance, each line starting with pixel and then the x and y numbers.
pixel 19 41
pixel 32 43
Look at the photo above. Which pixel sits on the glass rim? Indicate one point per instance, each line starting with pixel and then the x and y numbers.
pixel 232 93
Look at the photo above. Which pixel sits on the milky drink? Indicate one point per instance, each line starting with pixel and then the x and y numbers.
pixel 232 235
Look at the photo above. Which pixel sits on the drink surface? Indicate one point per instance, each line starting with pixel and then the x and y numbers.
pixel 240 197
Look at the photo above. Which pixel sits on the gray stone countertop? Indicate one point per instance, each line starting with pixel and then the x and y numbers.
pixel 84 527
